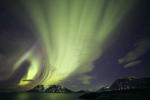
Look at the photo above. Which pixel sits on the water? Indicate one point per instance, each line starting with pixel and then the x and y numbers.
pixel 40 96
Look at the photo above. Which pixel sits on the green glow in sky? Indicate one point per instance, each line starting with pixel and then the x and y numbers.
pixel 73 33
pixel 33 68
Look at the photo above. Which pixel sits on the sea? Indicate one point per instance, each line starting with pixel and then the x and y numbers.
pixel 40 96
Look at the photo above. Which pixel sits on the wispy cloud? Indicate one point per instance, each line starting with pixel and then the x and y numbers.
pixel 132 64
pixel 86 80
pixel 132 57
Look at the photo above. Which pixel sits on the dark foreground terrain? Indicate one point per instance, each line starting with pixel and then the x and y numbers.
pixel 105 95
pixel 40 96
pixel 118 95
pixel 121 89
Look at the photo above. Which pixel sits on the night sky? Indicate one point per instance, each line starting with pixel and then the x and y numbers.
pixel 125 55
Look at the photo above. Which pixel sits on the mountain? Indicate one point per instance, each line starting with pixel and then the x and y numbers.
pixel 38 88
pixel 131 83
pixel 57 89
pixel 125 88
pixel 81 91
pixel 103 89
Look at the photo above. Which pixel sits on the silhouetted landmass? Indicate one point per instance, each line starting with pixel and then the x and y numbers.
pixel 123 89
pixel 81 91
pixel 133 94
pixel 57 89
pixel 50 89
pixel 39 88
pixel 103 89
pixel 131 83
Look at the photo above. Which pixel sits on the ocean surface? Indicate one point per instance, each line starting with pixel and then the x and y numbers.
pixel 40 96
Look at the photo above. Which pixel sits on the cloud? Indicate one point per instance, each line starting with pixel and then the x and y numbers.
pixel 132 64
pixel 132 57
pixel 86 80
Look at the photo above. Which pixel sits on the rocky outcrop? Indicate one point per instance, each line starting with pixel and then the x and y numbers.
pixel 39 88
pixel 57 89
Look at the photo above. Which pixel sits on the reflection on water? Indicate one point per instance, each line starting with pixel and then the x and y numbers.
pixel 40 96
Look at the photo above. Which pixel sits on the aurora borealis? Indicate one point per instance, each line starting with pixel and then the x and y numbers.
pixel 73 33
pixel 70 36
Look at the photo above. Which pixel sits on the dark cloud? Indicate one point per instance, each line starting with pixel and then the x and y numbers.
pixel 17 75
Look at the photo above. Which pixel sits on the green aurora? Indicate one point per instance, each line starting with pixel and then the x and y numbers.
pixel 72 33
